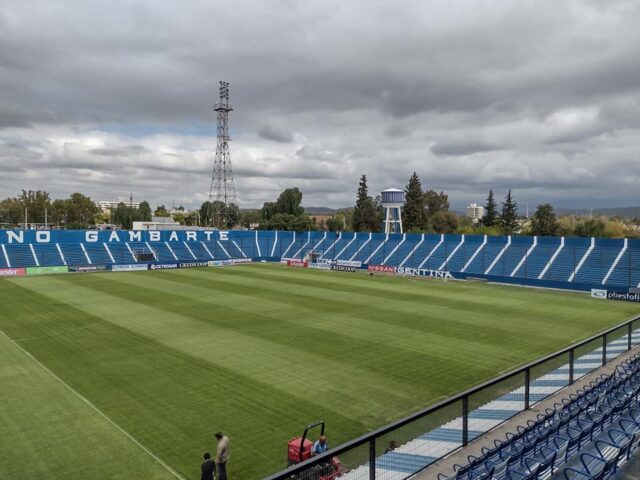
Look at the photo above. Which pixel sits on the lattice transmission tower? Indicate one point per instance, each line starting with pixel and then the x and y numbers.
pixel 222 193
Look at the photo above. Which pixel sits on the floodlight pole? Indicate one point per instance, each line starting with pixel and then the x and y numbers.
pixel 222 191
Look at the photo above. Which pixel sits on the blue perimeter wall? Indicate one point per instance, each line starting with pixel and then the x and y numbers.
pixel 309 240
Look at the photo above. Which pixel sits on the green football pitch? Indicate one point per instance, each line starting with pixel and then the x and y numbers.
pixel 128 375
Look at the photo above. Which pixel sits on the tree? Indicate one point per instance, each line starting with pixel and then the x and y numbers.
pixel 36 202
pixel 509 216
pixel 435 202
pixel 413 215
pixel 11 212
pixel 590 228
pixel 268 210
pixel 286 213
pixel 161 211
pixel 145 211
pixel 490 218
pixel 444 222
pixel 289 202
pixel 250 217
pixel 365 213
pixel 121 215
pixel 336 223
pixel 544 222
pixel 206 211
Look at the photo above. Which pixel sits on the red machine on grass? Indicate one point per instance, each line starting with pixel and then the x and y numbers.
pixel 300 449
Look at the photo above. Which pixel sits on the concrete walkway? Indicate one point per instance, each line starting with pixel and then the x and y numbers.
pixel 437 450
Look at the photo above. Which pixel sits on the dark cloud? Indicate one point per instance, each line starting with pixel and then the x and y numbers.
pixel 269 132
pixel 108 98
pixel 120 151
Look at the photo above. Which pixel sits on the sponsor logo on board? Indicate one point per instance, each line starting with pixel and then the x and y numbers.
pixel 623 297
pixel 87 268
pixel 47 270
pixel 297 263
pixel 343 268
pixel 130 267
pixel 423 272
pixel 414 272
pixel 347 263
pixel 163 266
pixel 598 293
pixel 320 266
pixel 381 268
pixel 192 264
pixel 240 261
pixel 12 272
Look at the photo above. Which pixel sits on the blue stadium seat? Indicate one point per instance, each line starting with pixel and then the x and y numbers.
pixel 459 259
pixel 568 259
pixel 183 251
pixel 340 241
pixel 48 255
pixel 486 257
pixel 352 246
pixel 73 254
pixel 120 252
pixel 97 253
pixel 21 255
pixel 599 261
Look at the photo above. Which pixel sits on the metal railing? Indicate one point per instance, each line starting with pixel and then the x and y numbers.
pixel 368 448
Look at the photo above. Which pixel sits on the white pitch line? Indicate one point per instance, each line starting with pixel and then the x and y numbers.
pixel 96 409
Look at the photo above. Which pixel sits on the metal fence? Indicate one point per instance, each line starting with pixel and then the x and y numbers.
pixel 367 457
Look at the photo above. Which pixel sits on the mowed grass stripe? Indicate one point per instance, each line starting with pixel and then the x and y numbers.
pixel 169 400
pixel 260 350
pixel 419 315
pixel 249 343
pixel 48 432
pixel 512 305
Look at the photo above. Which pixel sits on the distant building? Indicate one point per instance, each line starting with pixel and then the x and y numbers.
pixel 475 212
pixel 321 218
pixel 158 223
pixel 108 205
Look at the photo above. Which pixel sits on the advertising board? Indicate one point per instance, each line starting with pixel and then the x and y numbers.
pixel 347 263
pixel 623 297
pixel 343 268
pixel 132 267
pixel 192 264
pixel 598 293
pixel 47 270
pixel 320 266
pixel 381 268
pixel 163 266
pixel 297 263
pixel 87 268
pixel 12 272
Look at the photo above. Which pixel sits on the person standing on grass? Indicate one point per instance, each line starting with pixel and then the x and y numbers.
pixel 222 455
pixel 208 468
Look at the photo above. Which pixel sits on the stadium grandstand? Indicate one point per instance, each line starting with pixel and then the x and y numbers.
pixel 557 262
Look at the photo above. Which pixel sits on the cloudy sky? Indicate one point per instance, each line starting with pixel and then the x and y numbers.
pixel 114 97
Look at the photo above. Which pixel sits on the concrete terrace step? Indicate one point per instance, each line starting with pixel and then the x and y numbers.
pixel 415 455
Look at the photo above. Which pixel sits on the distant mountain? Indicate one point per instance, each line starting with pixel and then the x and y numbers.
pixel 623 212
pixel 323 210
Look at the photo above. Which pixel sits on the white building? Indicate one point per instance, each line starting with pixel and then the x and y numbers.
pixel 475 212
pixel 158 223
pixel 108 205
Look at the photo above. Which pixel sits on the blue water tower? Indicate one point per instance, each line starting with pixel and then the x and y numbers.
pixel 392 202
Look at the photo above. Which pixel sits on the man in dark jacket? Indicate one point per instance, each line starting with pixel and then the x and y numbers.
pixel 208 467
